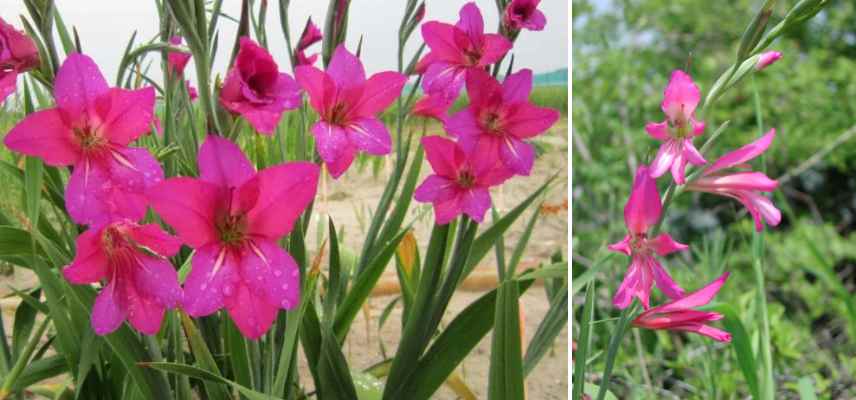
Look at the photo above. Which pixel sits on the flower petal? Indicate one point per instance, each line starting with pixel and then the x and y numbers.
pixel 78 85
pixel 43 134
pixel 156 280
pixel 153 237
pixel 471 20
pixel 346 69
pixel 252 314
pixel 517 155
pixel 222 162
pixel 268 270
pixel 446 211
pixel 680 97
pixel 189 206
pixel 623 246
pixel 330 140
pixel 526 120
pixel 444 79
pixel 285 190
pixel 465 127
pixel 663 280
pixel 435 188
pixel 317 85
pixel 440 38
pixel 87 194
pixel 744 153
pixel 666 155
pixel 341 164
pixel 380 91
pixel 713 333
pixel 144 312
pixel 637 283
pixel 517 86
pixel 444 156
pixel 108 311
pixel 130 116
pixel 475 203
pixel 213 277
pixel 90 262
pixel 643 208
pixel 494 48
pixel 8 84
pixel 695 299
pixel 370 135
pixel 658 130
pixel 664 245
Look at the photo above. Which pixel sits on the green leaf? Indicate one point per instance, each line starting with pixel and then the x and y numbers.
pixel 236 346
pixel 583 279
pixel 205 376
pixel 805 386
pixel 548 330
pixel 25 320
pixel 362 287
pixel 486 240
pixel 333 372
pixel 450 348
pixel 506 360
pixel 204 358
pixel 39 370
pixel 33 188
pixel 581 356
pixel 741 342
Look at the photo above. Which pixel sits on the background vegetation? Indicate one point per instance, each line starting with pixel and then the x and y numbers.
pixel 623 54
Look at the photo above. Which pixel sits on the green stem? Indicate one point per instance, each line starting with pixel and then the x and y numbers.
pixel 21 363
pixel 614 345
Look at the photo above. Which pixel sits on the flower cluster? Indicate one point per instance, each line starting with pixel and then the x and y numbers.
pixel 491 131
pixel 644 208
pixel 236 214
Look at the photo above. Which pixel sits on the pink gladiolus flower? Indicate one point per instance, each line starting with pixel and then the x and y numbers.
pixel 347 104
pixel 141 282
pixel 521 14
pixel 311 35
pixel 500 117
pixel 677 131
pixel 18 54
pixel 678 315
pixel 460 182
pixel 255 89
pixel 233 216
pixel 90 129
pixel 641 212
pixel 455 49
pixel 191 91
pixel 177 60
pixel 743 186
pixel 429 106
pixel 767 58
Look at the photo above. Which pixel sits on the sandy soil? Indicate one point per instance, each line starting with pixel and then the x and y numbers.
pixel 350 201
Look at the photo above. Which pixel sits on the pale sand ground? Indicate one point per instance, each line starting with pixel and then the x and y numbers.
pixel 350 201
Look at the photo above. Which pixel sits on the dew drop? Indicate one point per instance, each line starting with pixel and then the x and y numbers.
pixel 286 304
pixel 204 286
pixel 277 272
pixel 284 286
pixel 227 290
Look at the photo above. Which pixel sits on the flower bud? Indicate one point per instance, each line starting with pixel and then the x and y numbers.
pixel 767 58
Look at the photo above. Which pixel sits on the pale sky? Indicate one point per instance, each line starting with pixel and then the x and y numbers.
pixel 105 27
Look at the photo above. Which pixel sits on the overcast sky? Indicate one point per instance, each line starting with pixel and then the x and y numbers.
pixel 106 25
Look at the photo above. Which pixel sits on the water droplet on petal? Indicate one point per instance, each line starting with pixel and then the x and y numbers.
pixel 227 290
pixel 286 304
pixel 277 272
pixel 284 286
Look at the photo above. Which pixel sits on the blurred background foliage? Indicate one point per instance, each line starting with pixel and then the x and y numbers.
pixel 623 54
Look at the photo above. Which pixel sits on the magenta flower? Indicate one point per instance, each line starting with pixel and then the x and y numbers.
pixel 233 217
pixel 18 54
pixel 311 35
pixel 500 118
pixel 678 315
pixel 460 182
pixel 520 14
pixel 177 60
pixel 255 89
pixel 90 129
pixel 429 106
pixel 743 186
pixel 642 211
pixel 677 131
pixel 141 282
pixel 766 59
pixel 347 104
pixel 191 91
pixel 455 49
